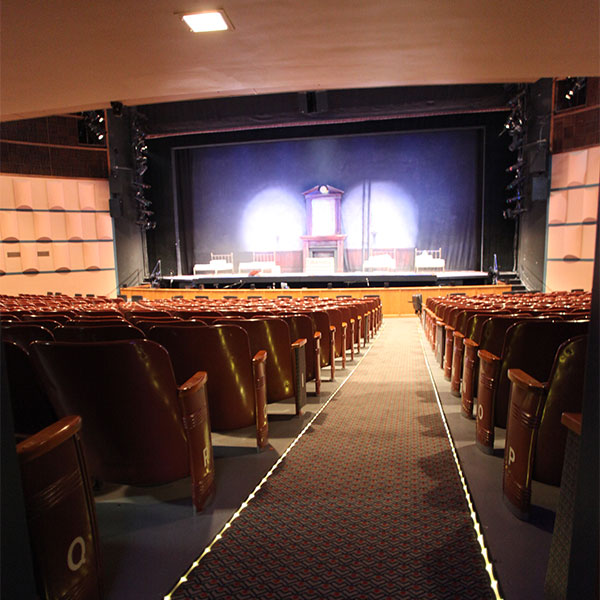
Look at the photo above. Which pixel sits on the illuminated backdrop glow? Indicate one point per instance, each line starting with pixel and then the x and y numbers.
pixel 425 192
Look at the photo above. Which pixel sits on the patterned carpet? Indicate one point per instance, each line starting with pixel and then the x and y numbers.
pixel 368 504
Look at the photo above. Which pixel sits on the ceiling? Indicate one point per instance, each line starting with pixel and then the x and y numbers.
pixel 69 55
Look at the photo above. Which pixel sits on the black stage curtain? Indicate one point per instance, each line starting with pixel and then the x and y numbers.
pixel 185 209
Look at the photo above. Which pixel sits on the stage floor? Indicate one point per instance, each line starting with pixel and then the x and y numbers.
pixel 356 279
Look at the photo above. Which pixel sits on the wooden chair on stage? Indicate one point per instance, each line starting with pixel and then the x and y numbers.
pixel 140 427
pixel 219 263
pixel 263 262
pixel 380 259
pixel 429 260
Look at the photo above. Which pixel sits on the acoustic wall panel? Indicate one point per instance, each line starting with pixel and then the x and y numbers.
pixel 44 257
pixel 588 241
pixel 593 166
pixel 104 229
pixel 61 257
pixel 102 196
pixel 74 226
pixel 42 226
pixel 557 208
pixel 58 225
pixel 572 220
pixel 56 194
pixel 77 262
pixel 88 226
pixel 7 196
pixel 71 195
pixel 9 226
pixel 12 258
pixel 91 256
pixel 87 195
pixel 26 225
pixel 55 226
pixel 570 276
pixel 29 259
pixel 106 256
pixel 22 193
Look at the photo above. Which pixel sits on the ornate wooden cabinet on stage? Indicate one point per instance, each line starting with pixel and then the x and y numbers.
pixel 324 239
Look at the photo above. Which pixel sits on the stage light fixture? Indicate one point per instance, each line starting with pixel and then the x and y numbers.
pixel 324 189
pixel 207 21
pixel 516 167
pixel 576 86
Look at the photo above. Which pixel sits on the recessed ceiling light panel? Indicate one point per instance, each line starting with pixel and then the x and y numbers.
pixel 215 20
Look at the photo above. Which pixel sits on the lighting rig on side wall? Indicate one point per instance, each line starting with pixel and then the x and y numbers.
pixel 576 85
pixel 92 128
pixel 140 156
pixel 516 127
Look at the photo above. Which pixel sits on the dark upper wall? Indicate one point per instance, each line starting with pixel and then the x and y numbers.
pixel 50 146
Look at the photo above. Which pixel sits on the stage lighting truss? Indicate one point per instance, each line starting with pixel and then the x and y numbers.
pixel 576 85
pixel 140 155
pixel 94 127
pixel 516 127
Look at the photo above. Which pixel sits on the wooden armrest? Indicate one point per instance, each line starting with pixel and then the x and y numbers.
pixel 469 342
pixel 259 370
pixel 196 380
pixel 317 335
pixel 487 356
pixel 457 334
pixel 260 356
pixel 344 325
pixel 299 342
pixel 523 379
pixel 48 438
pixel 351 321
pixel 332 328
pixel 448 328
pixel 572 421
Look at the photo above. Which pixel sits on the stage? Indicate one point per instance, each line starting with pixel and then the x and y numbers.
pixel 394 289
pixel 356 279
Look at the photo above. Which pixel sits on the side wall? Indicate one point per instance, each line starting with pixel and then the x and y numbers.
pixel 56 233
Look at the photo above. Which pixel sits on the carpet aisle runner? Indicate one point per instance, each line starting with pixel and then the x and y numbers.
pixel 368 504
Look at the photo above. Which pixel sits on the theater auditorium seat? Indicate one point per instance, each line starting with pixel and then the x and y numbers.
pixel 535 438
pixel 97 333
pixel 31 408
pixel 341 327
pixel 125 391
pixel 286 361
pixel 529 346
pixel 303 326
pixel 60 513
pixel 236 385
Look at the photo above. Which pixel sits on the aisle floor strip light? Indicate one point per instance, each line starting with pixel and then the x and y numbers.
pixel 476 526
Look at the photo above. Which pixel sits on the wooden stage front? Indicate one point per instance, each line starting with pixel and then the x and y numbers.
pixel 395 289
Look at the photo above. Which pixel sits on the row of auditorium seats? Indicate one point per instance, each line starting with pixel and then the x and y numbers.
pixel 518 363
pixel 104 379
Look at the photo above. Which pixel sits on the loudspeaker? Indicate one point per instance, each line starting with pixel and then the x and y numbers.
pixel 539 188
pixel 312 102
pixel 537 158
pixel 115 206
